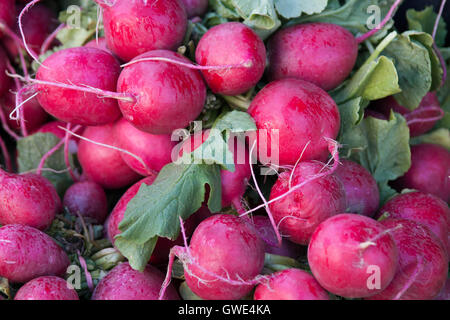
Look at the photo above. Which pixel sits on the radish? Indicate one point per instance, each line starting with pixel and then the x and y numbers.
pixel 361 189
pixel 422 208
pixel 429 172
pixel 352 256
pixel 82 67
pixel 100 44
pixel 54 127
pixel 445 293
pixel 27 253
pixel 168 96
pixel 291 284
pixel 7 14
pixel 229 270
pixel 298 117
pixel 27 199
pixel 423 263
pixel 135 27
pixel 236 45
pixel 154 150
pixel 321 53
pixel 195 8
pixel 298 214
pixel 234 183
pixel 420 120
pixel 46 288
pixel 124 283
pixel 5 81
pixel 265 230
pixel 87 199
pixel 101 164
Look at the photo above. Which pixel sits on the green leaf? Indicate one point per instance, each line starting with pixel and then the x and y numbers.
pixel 31 149
pixel 414 68
pixel 178 191
pixel 294 8
pixel 382 147
pixel 350 112
pixel 376 79
pixel 424 21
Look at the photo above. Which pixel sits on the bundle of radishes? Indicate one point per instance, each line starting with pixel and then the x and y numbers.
pixel 167 149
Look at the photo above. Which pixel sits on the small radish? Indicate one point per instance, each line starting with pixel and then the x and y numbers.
pixel 27 253
pixel 87 199
pixel 27 199
pixel 291 284
pixel 101 44
pixel 168 95
pixel 298 117
pixel 298 214
pixel 101 164
pixel 135 27
pixel 420 120
pixel 83 67
pixel 361 189
pixel 429 172
pixel 267 233
pixel 347 251
pixel 46 288
pixel 422 208
pixel 321 53
pixel 124 283
pixel 195 8
pixel 423 263
pixel 154 150
pixel 54 127
pixel 229 270
pixel 236 45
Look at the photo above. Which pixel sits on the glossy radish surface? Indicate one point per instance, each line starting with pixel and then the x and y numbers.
pixel 46 288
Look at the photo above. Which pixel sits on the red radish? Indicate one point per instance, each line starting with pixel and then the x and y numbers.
pixel 154 150
pixel 422 208
pixel 347 250
pixel 163 246
pixel 420 120
pixel 87 199
pixel 236 45
pixel 429 172
pixel 291 284
pixel 234 183
pixel 5 81
pixel 361 189
pixel 84 67
pixel 195 8
pixel 7 14
pixel 237 253
pixel 301 114
pixel 101 164
pixel 27 199
pixel 132 28
pixel 298 214
pixel 46 288
pixel 27 253
pixel 101 44
pixel 33 114
pixel 169 96
pixel 423 263
pixel 445 293
pixel 265 230
pixel 124 283
pixel 54 128
pixel 321 53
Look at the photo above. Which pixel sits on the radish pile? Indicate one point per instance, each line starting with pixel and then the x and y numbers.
pixel 186 149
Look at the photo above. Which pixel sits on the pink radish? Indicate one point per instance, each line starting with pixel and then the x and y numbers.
pixel 7 14
pixel 361 189
pixel 154 150
pixel 298 117
pixel 27 199
pixel 423 263
pixel 101 164
pixel 46 288
pixel 168 96
pixel 347 251
pixel 291 284
pixel 195 8
pixel 132 28
pixel 27 253
pixel 236 45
